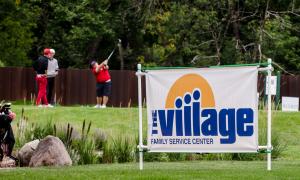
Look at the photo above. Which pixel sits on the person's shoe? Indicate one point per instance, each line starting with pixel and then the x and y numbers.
pixel 40 106
pixel 97 106
pixel 49 105
pixel 103 106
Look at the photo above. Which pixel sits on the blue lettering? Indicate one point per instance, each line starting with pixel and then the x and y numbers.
pixel 191 120
pixel 209 126
pixel 179 129
pixel 227 118
pixel 166 123
pixel 196 118
pixel 243 116
pixel 187 121
pixel 187 116
pixel 154 122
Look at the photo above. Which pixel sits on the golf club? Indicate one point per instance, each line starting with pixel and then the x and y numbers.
pixel 119 41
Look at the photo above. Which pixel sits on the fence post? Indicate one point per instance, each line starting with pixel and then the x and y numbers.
pixel 277 99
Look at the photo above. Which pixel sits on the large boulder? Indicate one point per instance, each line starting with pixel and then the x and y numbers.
pixel 26 152
pixel 50 152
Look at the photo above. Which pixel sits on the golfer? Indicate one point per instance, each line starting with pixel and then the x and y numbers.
pixel 103 83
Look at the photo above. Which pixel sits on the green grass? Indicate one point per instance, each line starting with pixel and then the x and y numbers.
pixel 125 121
pixel 112 120
pixel 174 170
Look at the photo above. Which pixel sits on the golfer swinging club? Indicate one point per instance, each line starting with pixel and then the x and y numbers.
pixel 103 82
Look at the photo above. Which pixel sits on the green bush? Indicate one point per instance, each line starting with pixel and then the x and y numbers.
pixel 39 131
pixel 278 146
pixel 108 155
pixel 65 134
pixel 86 151
pixel 85 147
pixel 100 138
pixel 176 156
pixel 123 148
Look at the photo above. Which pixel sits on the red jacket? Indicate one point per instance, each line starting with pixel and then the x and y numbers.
pixel 101 76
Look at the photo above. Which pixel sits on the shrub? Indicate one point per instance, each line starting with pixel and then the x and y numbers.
pixel 100 138
pixel 86 151
pixel 108 155
pixel 123 148
pixel 278 146
pixel 176 156
pixel 39 131
pixel 21 129
pixel 85 147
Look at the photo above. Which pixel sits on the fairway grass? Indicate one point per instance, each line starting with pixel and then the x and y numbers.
pixel 167 170
pixel 111 120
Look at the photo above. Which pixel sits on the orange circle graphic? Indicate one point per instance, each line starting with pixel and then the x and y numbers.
pixel 188 83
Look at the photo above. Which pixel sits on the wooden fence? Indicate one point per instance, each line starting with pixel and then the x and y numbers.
pixel 72 86
pixel 77 86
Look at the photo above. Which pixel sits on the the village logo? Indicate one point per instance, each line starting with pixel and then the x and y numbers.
pixel 190 112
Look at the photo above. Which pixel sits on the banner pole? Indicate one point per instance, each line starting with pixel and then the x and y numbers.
pixel 139 67
pixel 269 145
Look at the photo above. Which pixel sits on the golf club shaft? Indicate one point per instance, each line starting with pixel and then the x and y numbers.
pixel 110 54
pixel 119 41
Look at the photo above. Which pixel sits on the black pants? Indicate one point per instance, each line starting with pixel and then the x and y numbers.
pixel 50 87
pixel 9 140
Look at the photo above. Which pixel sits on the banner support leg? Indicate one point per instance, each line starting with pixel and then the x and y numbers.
pixel 269 123
pixel 139 67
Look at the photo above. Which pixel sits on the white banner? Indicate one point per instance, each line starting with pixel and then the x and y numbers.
pixel 202 110
pixel 290 103
pixel 273 85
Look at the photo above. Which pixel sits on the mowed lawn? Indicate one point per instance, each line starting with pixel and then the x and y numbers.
pixel 162 170
pixel 111 120
pixel 125 121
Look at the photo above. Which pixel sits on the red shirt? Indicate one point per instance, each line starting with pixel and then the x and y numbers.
pixel 101 76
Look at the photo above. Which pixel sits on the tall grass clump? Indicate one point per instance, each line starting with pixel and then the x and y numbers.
pixel 34 131
pixel 85 147
pixel 21 129
pixel 108 154
pixel 40 131
pixel 123 147
pixel 278 145
pixel 66 136
pixel 100 139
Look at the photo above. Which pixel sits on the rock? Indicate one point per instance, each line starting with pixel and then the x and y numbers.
pixel 26 152
pixel 7 162
pixel 50 152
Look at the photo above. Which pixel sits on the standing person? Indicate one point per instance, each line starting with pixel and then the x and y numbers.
pixel 103 82
pixel 52 71
pixel 40 66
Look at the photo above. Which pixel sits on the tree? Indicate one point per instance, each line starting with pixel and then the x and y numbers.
pixel 15 34
pixel 153 32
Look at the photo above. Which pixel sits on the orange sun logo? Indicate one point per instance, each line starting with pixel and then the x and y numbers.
pixel 187 84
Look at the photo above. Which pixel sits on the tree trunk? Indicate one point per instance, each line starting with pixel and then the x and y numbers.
pixel 121 56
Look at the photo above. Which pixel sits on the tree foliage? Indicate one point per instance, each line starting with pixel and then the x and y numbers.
pixel 155 33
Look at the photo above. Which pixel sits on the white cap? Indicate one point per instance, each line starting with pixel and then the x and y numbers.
pixel 52 51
